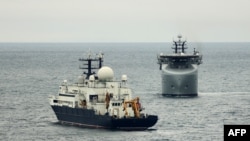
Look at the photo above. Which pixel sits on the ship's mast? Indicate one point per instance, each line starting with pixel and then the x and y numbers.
pixel 89 66
pixel 179 46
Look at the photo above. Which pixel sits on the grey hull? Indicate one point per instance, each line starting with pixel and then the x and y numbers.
pixel 180 81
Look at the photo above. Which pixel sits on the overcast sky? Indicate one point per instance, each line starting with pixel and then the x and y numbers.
pixel 124 20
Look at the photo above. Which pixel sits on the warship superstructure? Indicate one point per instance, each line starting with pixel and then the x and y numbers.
pixel 180 70
pixel 97 100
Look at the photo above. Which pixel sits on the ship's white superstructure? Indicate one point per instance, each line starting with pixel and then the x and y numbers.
pixel 104 94
pixel 180 71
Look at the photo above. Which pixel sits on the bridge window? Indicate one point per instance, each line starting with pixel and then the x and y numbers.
pixel 116 104
pixel 93 98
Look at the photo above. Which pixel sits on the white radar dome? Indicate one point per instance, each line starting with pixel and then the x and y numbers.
pixel 91 78
pixel 124 77
pixel 81 79
pixel 105 74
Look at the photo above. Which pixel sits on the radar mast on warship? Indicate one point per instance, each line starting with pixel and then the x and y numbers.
pixel 99 101
pixel 180 70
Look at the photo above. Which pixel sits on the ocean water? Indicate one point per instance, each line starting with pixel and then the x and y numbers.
pixel 30 72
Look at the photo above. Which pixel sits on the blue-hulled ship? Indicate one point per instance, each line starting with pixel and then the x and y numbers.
pixel 97 100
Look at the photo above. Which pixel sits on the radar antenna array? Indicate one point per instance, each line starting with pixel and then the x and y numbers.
pixel 179 46
pixel 89 66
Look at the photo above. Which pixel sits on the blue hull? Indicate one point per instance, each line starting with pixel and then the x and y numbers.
pixel 88 118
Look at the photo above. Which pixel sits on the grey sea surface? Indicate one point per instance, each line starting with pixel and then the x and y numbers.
pixel 30 72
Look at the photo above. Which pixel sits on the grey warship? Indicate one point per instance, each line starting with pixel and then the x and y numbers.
pixel 180 70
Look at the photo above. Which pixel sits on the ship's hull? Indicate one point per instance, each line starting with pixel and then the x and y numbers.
pixel 88 118
pixel 180 81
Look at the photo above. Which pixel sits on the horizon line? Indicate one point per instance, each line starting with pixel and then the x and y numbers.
pixel 114 42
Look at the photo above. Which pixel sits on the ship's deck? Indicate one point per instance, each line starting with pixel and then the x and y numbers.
pixel 179 56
